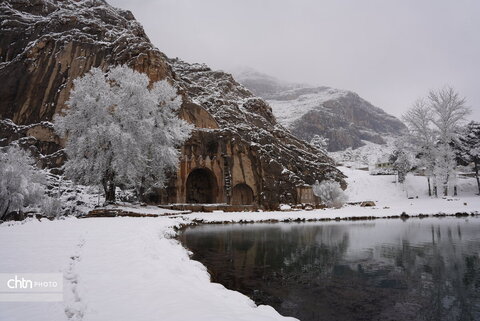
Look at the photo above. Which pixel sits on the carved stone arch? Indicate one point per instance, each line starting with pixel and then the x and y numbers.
pixel 242 194
pixel 201 187
pixel 197 115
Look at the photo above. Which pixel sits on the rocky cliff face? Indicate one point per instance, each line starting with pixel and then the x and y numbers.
pixel 342 116
pixel 46 44
pixel 282 160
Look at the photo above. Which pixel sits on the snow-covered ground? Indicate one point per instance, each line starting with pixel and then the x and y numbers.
pixel 117 269
pixel 366 155
pixel 391 199
pixel 127 268
pixel 384 191
pixel 149 209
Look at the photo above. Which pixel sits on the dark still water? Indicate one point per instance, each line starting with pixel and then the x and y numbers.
pixel 419 269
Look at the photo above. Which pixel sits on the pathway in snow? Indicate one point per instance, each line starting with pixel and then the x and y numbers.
pixel 74 306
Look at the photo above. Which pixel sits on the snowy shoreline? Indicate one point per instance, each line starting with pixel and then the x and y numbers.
pixel 278 217
pixel 108 261
pixel 133 268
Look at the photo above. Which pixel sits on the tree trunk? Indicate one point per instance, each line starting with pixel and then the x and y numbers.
pixel 429 187
pixel 141 190
pixel 445 186
pixel 6 210
pixel 110 193
pixel 109 188
pixel 476 176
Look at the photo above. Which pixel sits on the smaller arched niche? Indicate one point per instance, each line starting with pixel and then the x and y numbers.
pixel 201 187
pixel 242 194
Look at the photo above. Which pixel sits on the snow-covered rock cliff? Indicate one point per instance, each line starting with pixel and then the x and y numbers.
pixel 46 44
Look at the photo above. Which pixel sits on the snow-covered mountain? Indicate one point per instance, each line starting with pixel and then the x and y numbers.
pixel 342 116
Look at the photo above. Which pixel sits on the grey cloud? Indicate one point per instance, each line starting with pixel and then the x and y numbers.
pixel 390 52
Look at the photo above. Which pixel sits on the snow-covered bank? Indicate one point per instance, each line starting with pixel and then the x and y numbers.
pixel 117 269
pixel 125 268
pixel 391 199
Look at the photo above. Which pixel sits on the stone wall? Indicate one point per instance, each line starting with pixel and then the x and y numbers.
pixel 305 195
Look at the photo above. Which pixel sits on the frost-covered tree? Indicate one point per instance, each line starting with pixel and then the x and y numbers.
pixel 469 147
pixel 449 112
pixel 434 125
pixel 120 131
pixel 422 136
pixel 320 143
pixel 401 158
pixel 21 184
pixel 401 164
pixel 445 167
pixel 330 193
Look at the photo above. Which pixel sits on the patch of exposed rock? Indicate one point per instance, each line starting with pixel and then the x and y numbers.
pixel 38 138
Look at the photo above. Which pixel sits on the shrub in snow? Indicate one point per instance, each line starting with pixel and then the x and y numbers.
pixel 285 207
pixel 52 207
pixel 120 132
pixel 330 193
pixel 21 184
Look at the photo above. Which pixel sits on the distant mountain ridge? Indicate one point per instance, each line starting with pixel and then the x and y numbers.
pixel 342 116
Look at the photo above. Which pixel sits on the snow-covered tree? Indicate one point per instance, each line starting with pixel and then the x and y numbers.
pixel 469 147
pixel 120 131
pixel 401 164
pixel 21 184
pixel 320 143
pixel 401 158
pixel 330 193
pixel 445 166
pixel 422 136
pixel 434 125
pixel 449 112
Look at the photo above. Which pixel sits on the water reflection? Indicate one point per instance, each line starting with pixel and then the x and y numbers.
pixel 420 269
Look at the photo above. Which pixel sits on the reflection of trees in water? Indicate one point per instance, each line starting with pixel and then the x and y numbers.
pixel 317 252
pixel 271 254
pixel 304 271
pixel 442 282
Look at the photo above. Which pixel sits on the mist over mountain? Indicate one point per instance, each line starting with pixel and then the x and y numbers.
pixel 342 116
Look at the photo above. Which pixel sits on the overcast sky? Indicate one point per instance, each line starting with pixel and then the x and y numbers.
pixel 389 52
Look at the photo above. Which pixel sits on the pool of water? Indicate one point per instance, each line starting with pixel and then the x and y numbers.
pixel 418 269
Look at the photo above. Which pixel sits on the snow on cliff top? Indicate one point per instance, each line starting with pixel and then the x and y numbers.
pixel 288 111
